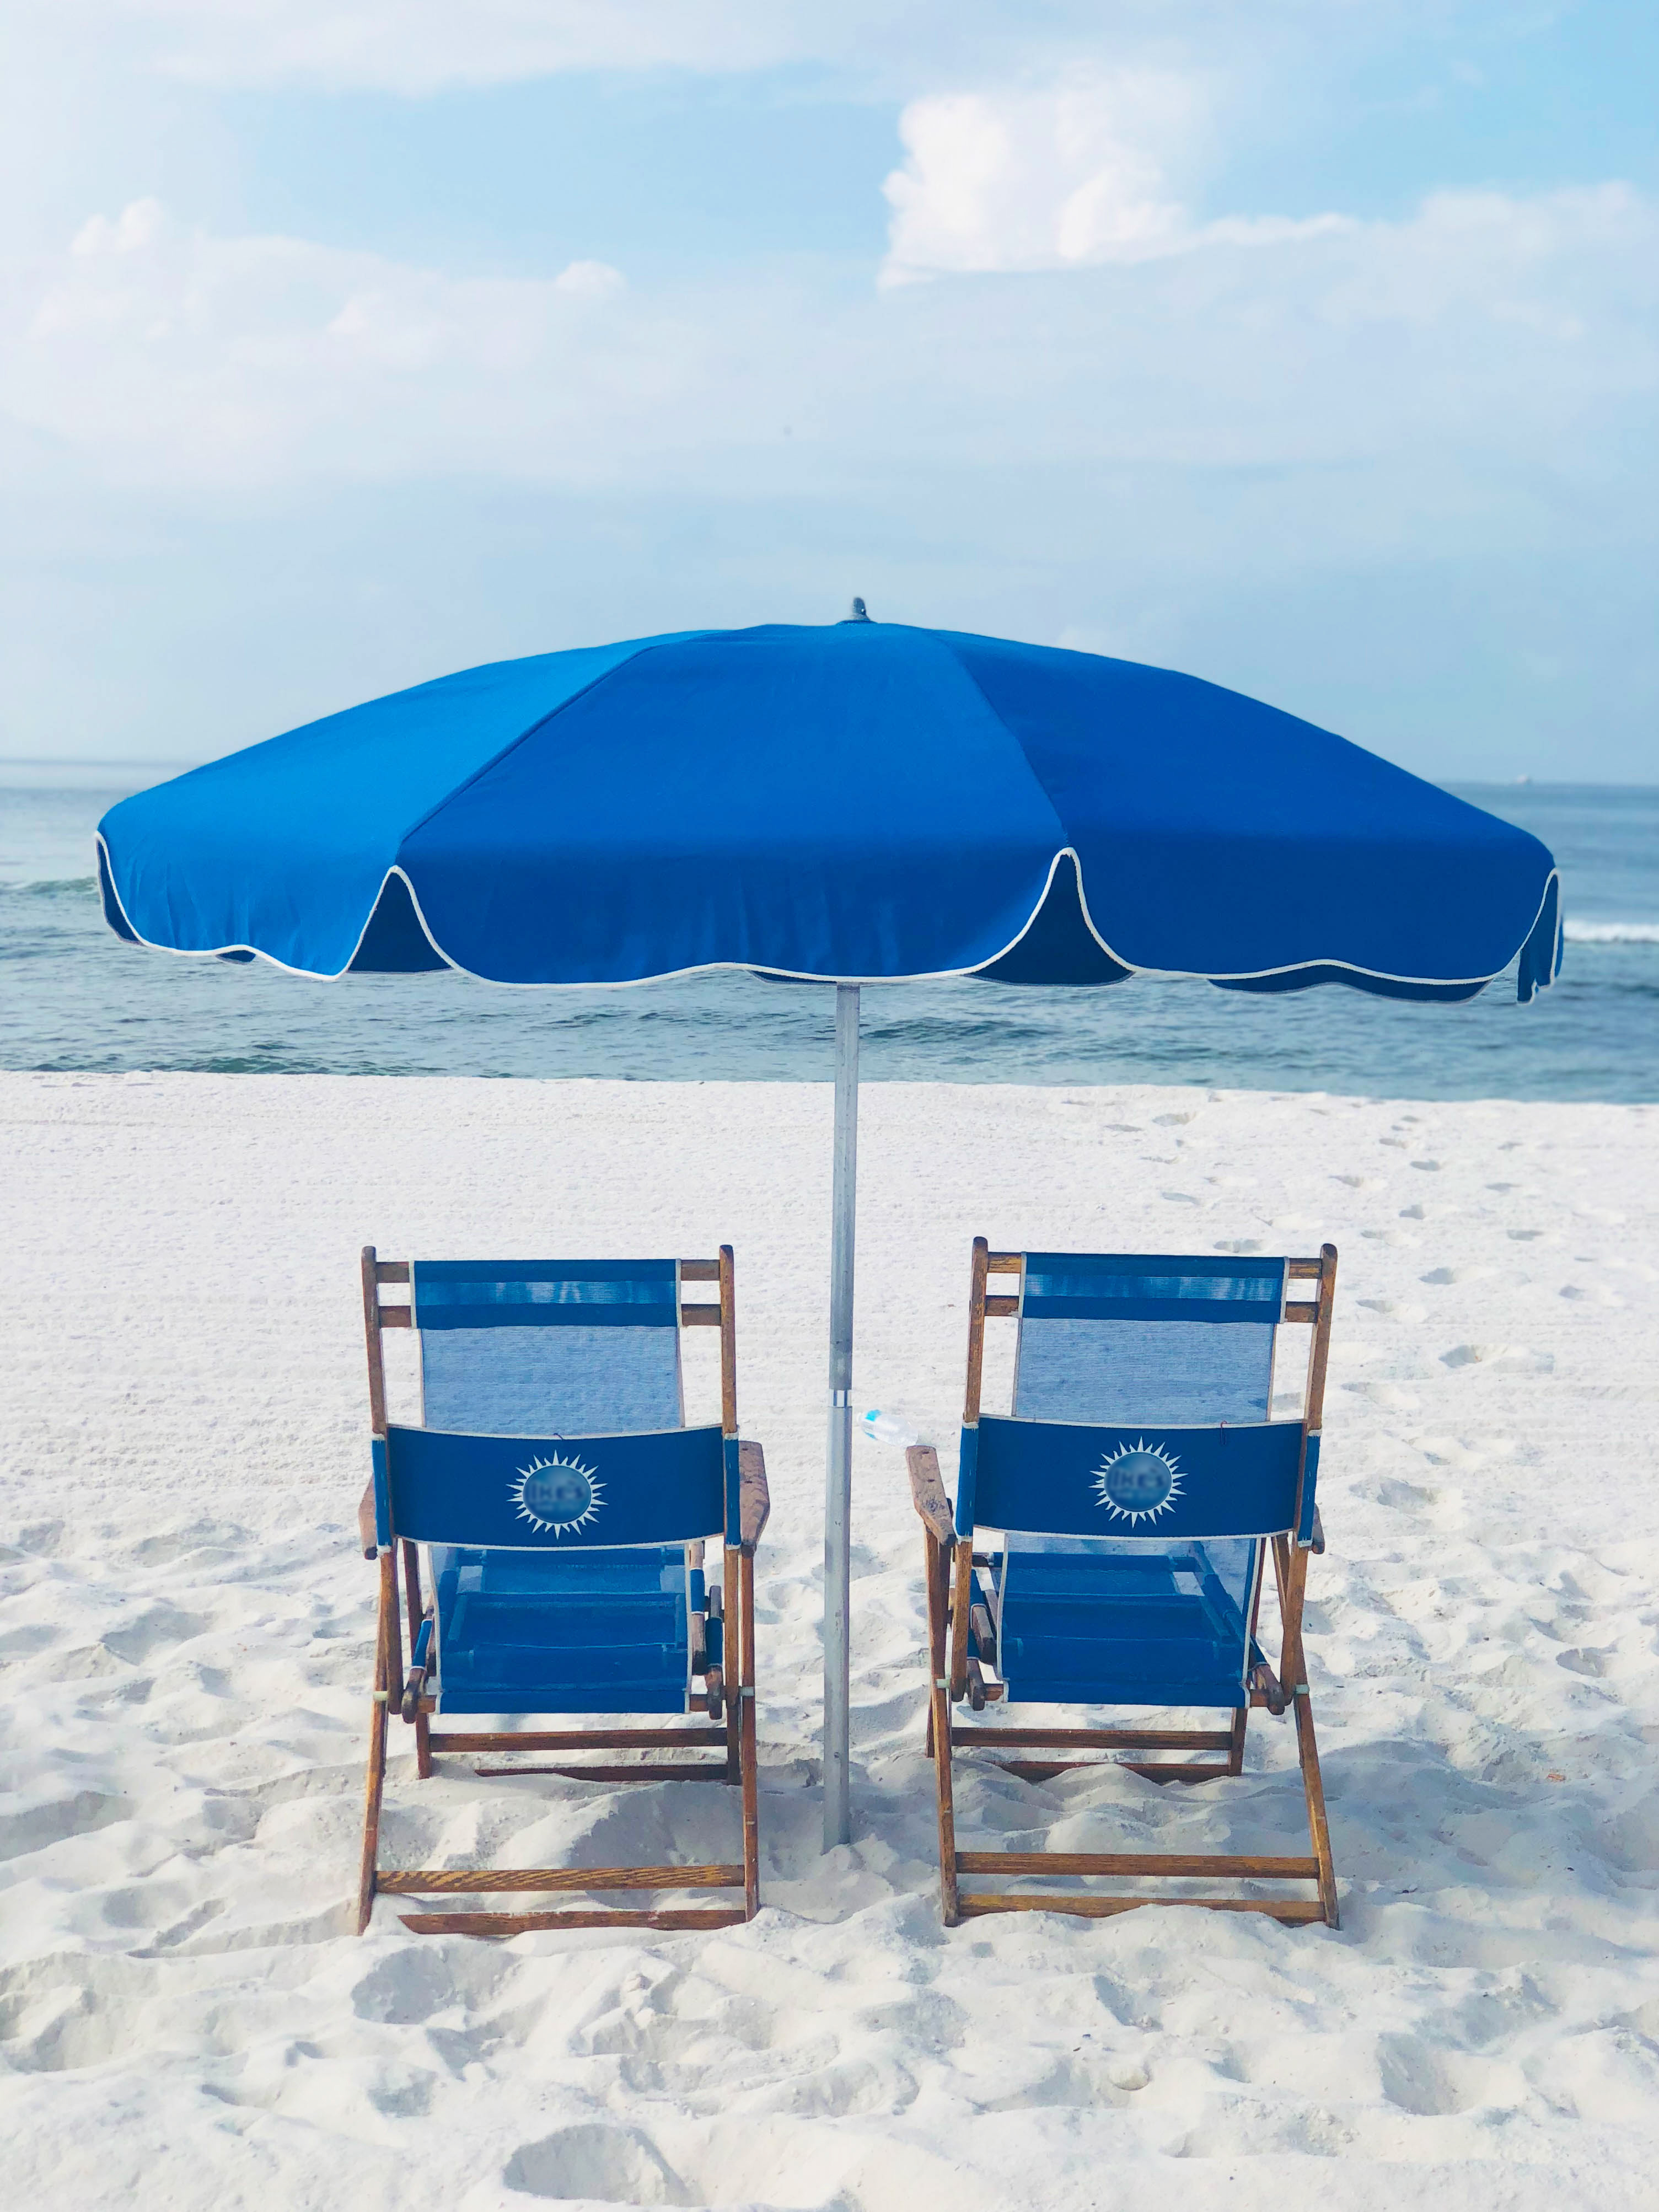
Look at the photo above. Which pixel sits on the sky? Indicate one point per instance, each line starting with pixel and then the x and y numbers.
pixel 1310 346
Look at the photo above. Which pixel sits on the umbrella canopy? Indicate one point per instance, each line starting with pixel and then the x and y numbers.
pixel 858 803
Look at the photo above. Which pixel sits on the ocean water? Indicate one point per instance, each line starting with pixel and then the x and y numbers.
pixel 73 996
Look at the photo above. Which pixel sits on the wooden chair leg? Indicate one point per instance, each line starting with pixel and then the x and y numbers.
pixel 1318 1826
pixel 375 1781
pixel 961 1605
pixel 412 1590
pixel 937 1567
pixel 1292 1562
pixel 1235 1748
pixel 947 1823
pixel 732 1665
pixel 751 1769
pixel 416 1609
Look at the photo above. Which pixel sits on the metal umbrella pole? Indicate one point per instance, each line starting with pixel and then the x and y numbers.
pixel 838 1467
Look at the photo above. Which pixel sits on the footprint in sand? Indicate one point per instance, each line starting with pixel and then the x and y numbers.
pixel 1427 2083
pixel 157 1625
pixel 34 1827
pixel 1389 1395
pixel 597 2162
pixel 413 1983
pixel 1405 1496
pixel 1483 1355
pixel 22 1643
pixel 1396 1309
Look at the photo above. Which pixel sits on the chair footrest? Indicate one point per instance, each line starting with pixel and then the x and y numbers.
pixel 1150 1739
pixel 1171 1865
pixel 658 1739
pixel 970 1905
pixel 503 1924
pixel 416 1882
pixel 704 1769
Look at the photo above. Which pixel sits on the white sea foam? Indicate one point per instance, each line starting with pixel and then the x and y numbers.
pixel 186 2021
pixel 1610 932
pixel 46 886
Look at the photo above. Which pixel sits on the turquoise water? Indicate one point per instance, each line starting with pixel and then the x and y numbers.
pixel 72 996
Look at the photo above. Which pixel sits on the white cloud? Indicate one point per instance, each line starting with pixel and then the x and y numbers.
pixel 418 46
pixel 136 225
pixel 1039 179
pixel 590 280
pixel 1076 174
pixel 167 351
pixel 1482 331
pixel 1366 429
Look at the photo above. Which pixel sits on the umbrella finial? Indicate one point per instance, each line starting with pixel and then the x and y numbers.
pixel 860 612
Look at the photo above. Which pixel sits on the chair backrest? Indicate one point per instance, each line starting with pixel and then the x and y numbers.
pixel 1120 1337
pixel 552 1410
pixel 1165 1481
pixel 539 1347
pixel 560 1493
pixel 1143 1384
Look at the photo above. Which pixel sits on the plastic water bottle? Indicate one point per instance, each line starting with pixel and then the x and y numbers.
pixel 886 1428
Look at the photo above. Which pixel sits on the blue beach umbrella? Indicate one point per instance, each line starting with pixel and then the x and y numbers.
pixel 859 803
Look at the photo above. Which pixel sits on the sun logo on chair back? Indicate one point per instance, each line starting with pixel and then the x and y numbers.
pixel 557 1497
pixel 1138 1482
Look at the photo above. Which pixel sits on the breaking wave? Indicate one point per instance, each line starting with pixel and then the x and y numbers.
pixel 1611 932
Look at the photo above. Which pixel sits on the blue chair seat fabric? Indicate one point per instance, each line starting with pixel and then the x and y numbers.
pixel 534 1632
pixel 1105 1624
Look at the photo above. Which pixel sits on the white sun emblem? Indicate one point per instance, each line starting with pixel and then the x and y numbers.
pixel 1138 1482
pixel 557 1496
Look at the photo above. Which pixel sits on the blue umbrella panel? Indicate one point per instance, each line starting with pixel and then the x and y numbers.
pixel 864 802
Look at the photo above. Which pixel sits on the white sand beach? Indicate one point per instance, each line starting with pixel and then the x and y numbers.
pixel 185 2020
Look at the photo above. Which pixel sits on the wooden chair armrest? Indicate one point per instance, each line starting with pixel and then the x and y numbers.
pixel 367 1536
pixel 927 1492
pixel 754 1499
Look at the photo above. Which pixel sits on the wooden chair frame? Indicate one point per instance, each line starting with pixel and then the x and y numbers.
pixel 950 1566
pixel 728 1704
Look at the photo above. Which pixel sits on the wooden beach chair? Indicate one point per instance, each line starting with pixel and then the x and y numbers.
pixel 564 1507
pixel 1139 1490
